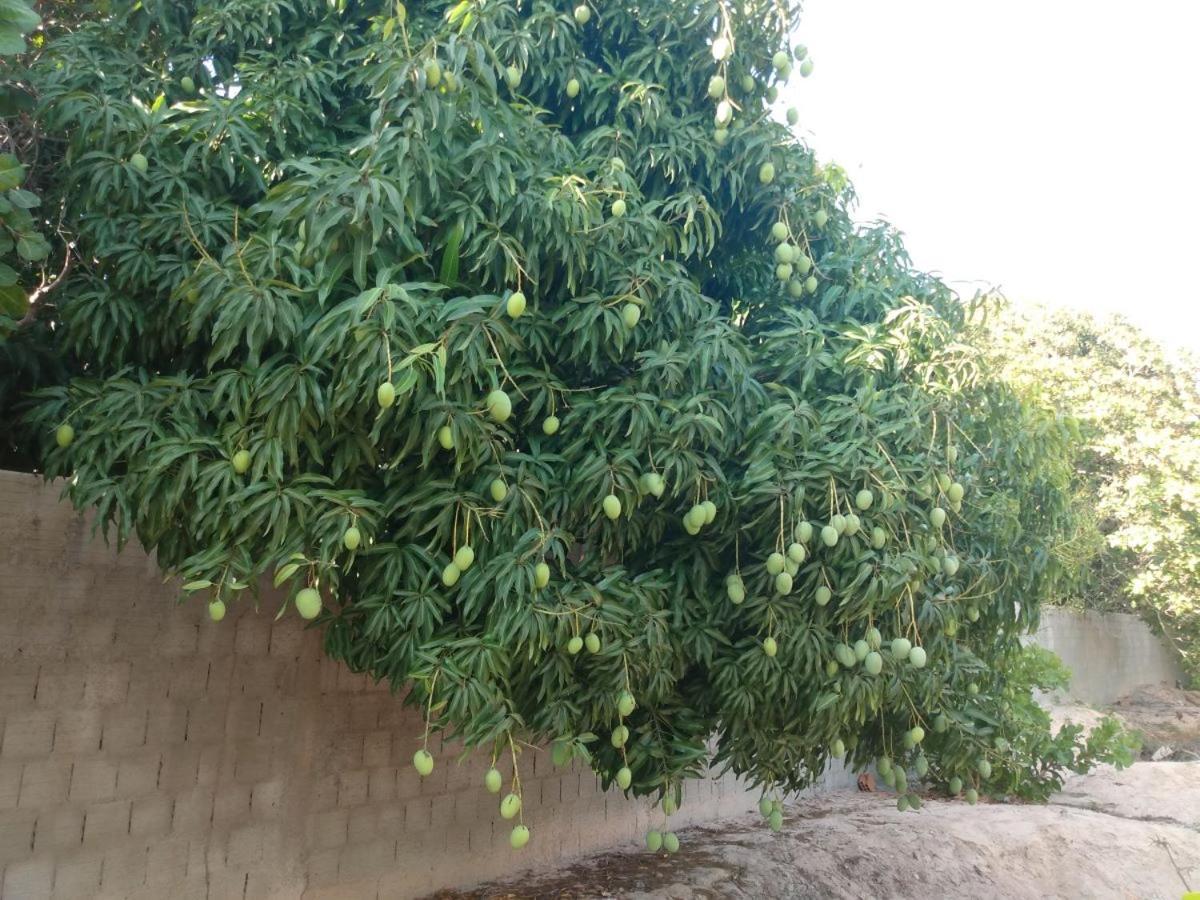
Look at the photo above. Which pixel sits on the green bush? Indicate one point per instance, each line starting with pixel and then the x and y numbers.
pixel 301 355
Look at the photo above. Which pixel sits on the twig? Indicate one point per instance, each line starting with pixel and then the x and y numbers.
pixel 38 297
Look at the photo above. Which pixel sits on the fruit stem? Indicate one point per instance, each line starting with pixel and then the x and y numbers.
pixel 429 709
pixel 503 368
pixel 516 779
pixel 917 714
pixel 387 351
pixel 966 437
pixel 912 612
pixel 779 542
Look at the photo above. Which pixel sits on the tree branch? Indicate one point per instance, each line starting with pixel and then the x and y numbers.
pixel 38 297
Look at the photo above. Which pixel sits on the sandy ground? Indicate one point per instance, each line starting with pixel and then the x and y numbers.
pixel 1109 834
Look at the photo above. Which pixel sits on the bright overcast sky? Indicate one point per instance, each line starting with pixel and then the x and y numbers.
pixel 1048 147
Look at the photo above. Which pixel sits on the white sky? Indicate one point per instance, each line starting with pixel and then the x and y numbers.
pixel 1048 147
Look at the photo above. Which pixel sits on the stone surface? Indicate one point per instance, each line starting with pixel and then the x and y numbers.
pixel 1129 834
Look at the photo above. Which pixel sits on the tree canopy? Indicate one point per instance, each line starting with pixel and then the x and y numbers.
pixel 534 358
pixel 1137 405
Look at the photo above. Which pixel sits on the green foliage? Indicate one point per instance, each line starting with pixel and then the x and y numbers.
pixel 305 252
pixel 28 355
pixel 1136 405
pixel 1034 759
pixel 17 19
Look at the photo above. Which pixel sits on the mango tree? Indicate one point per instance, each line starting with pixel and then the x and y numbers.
pixel 542 368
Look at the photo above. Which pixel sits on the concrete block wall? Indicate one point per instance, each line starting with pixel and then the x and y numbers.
pixel 1109 654
pixel 146 752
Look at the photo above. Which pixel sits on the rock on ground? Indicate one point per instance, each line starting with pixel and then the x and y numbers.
pixel 1168 720
pixel 1128 834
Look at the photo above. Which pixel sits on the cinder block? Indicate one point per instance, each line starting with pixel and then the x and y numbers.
pixel 408 782
pixel 16 834
pixel 381 785
pixel 78 875
pixel 442 812
pixel 208 764
pixel 59 686
pixel 123 730
pixel 29 879
pixel 166 723
pixel 59 830
pixel 418 814
pixel 10 783
pixel 329 671
pixel 138 775
pixel 328 829
pixel 245 846
pixel 253 761
pixel 414 869
pixel 179 637
pixel 471 804
pixel 44 636
pixel 206 721
pixel 347 750
pixel 253 636
pixel 125 870
pixel 364 826
pixel 323 792
pixel 152 816
pixel 377 749
pixel 391 821
pixel 178 772
pixel 77 733
pixel 44 783
pixel 459 775
pixel 364 860
pixel 321 867
pixel 243 718
pixel 92 780
pixel 266 797
pixel 92 636
pixel 105 824
pixel 193 812
pixel 138 631
pixel 18 685
pixel 281 717
pixel 28 735
pixel 188 679
pixel 106 684
pixel 352 788
pixel 166 862
pixel 364 713
pixel 232 805
pixel 286 640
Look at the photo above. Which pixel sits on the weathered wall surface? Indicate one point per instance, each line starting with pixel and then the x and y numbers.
pixel 1109 654
pixel 147 752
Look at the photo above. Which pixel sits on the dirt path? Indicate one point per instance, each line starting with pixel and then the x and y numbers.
pixel 1131 834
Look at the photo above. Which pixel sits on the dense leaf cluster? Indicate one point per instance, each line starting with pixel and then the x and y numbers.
pixel 303 225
